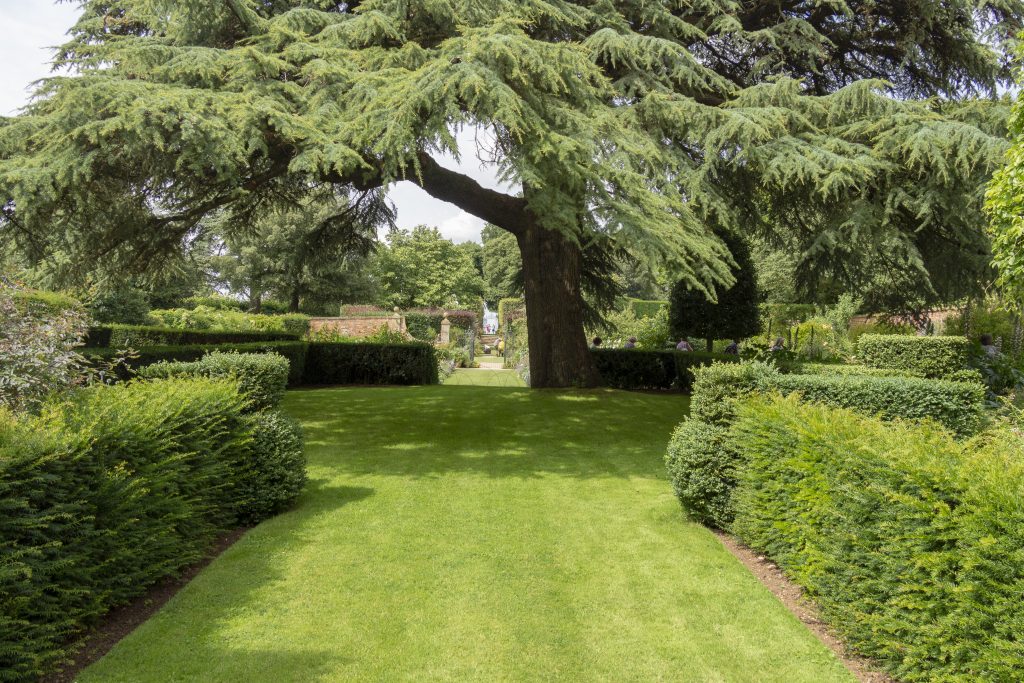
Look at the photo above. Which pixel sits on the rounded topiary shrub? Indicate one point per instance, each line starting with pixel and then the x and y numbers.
pixel 702 464
pixel 274 473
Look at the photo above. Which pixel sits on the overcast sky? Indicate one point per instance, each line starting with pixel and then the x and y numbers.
pixel 33 27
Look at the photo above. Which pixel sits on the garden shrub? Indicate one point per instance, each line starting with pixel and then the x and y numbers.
pixel 101 498
pixel 956 405
pixel 294 351
pixel 367 363
pixel 38 342
pixel 909 540
pixel 935 357
pixel 120 304
pixel 135 336
pixel 262 378
pixel 719 388
pixel 635 369
pixel 274 472
pixel 227 320
pixel 117 487
pixel 701 463
pixel 641 369
pixel 846 369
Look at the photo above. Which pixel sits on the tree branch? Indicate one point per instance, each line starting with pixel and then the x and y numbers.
pixel 505 211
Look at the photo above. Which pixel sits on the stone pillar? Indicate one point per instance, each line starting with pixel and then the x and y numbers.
pixel 399 321
pixel 446 330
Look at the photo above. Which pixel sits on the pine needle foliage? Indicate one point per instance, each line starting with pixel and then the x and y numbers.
pixel 649 124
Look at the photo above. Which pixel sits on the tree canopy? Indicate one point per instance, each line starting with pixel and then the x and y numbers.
pixel 637 123
pixel 1005 207
pixel 420 268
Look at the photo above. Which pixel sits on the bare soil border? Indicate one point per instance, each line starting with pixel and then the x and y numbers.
pixel 796 601
pixel 121 621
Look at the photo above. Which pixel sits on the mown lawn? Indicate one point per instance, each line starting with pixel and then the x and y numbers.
pixel 544 546
pixel 485 378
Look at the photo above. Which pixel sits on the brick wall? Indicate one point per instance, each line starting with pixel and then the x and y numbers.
pixel 357 326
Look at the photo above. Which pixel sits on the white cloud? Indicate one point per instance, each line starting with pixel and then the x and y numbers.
pixel 463 227
pixel 31 29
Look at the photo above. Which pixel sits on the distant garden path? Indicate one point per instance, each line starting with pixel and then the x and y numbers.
pixel 477 534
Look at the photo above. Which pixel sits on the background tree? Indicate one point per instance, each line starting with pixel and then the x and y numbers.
pixel 502 265
pixel 311 255
pixel 733 315
pixel 644 125
pixel 423 269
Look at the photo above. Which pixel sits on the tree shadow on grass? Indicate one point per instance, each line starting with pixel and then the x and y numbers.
pixel 197 618
pixel 430 431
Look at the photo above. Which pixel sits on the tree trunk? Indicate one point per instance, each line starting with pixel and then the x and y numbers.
pixel 711 344
pixel 293 305
pixel 559 356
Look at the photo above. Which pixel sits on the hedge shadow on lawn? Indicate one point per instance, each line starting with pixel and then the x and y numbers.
pixel 507 433
pixel 258 554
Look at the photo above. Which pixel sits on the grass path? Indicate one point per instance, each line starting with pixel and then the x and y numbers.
pixel 485 377
pixel 545 547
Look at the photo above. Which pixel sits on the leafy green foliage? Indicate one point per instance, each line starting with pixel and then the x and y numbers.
pixel 903 535
pixel 102 497
pixel 634 122
pixel 368 363
pixel 925 356
pixel 701 462
pixel 274 473
pixel 956 405
pixel 733 314
pixel 421 268
pixel 261 378
pixel 124 304
pixel 311 255
pixel 639 369
pixel 502 264
pixel 203 317
pixel 720 389
pixel 39 336
pixel 135 336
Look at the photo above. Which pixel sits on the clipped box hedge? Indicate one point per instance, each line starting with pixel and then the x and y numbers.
pixel 702 476
pixel 136 336
pixel 294 351
pixel 640 369
pixel 933 357
pixel 262 377
pixel 107 493
pixel 367 364
pixel 910 541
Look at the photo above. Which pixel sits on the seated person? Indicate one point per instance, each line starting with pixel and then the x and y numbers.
pixel 733 349
pixel 684 345
pixel 596 343
pixel 779 345
pixel 630 344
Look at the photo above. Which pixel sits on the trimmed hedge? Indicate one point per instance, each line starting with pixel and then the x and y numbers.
pixel 718 389
pixel 366 363
pixel 107 493
pixel 312 363
pixel 956 405
pixel 639 369
pixel 911 542
pixel 935 357
pixel 275 472
pixel 52 302
pixel 129 336
pixel 294 351
pixel 836 369
pixel 262 378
